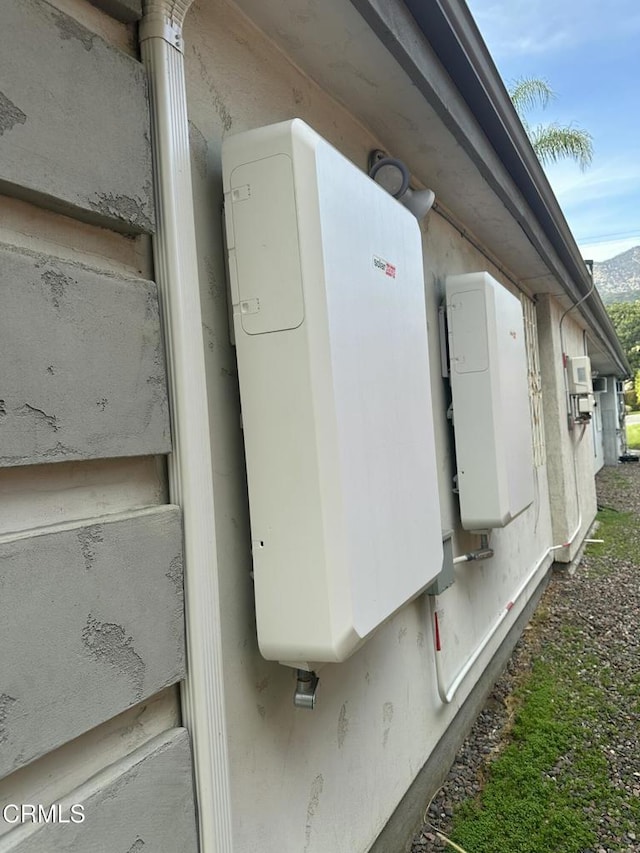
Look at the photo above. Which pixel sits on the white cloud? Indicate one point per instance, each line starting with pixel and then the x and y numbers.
pixel 600 205
pixel 615 177
pixel 521 28
pixel 608 249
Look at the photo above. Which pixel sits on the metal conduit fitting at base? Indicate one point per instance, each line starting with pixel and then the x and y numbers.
pixel 484 552
pixel 304 695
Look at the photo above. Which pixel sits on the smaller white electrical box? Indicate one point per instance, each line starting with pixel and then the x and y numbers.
pixel 586 404
pixel 490 390
pixel 327 289
pixel 579 374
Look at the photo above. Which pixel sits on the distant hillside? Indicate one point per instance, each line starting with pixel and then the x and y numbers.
pixel 618 279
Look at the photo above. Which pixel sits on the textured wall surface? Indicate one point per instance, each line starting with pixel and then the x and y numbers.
pixel 91 563
pixel 333 776
pixel 570 455
pixel 74 123
pixel 143 802
pixel 83 364
pixel 123 10
pixel 91 622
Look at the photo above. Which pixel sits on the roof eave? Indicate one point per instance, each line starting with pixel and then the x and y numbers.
pixel 455 38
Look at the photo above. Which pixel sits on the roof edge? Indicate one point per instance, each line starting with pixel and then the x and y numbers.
pixel 456 40
pixel 448 27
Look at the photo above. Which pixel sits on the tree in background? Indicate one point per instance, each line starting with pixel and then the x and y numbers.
pixel 551 142
pixel 625 317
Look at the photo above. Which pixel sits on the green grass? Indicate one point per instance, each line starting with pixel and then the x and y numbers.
pixel 528 805
pixel 548 788
pixel 619 531
pixel 633 436
pixel 616 477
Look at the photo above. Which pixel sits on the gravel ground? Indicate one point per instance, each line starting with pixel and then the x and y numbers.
pixel 611 633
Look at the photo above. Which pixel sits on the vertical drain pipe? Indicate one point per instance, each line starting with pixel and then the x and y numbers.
pixel 190 472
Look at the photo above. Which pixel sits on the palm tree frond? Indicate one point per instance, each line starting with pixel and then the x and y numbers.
pixel 527 93
pixel 551 142
pixel 554 142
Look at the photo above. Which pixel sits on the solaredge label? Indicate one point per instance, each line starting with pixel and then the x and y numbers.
pixel 384 266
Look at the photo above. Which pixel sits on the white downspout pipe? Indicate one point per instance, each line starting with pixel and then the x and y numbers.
pixel 190 472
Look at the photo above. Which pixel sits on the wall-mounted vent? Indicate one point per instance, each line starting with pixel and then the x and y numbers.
pixel 329 316
pixel 491 413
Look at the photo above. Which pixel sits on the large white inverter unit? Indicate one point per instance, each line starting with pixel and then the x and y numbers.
pixel 490 389
pixel 329 318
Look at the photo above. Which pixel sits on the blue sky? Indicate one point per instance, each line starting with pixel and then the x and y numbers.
pixel 589 53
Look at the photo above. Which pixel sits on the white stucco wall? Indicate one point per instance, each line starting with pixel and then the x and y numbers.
pixel 330 779
pixel 570 452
